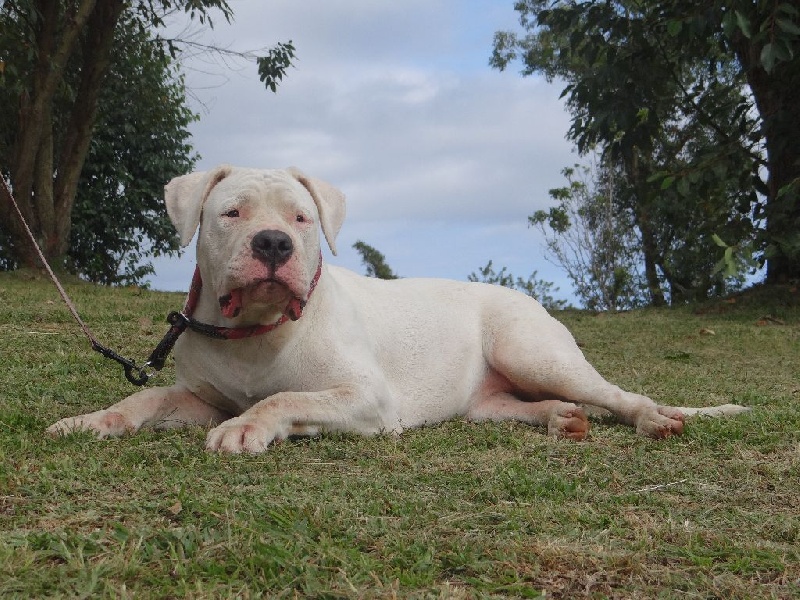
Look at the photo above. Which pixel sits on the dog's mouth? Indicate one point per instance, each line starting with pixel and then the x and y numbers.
pixel 263 291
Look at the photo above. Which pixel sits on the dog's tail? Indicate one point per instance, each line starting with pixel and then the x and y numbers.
pixel 726 410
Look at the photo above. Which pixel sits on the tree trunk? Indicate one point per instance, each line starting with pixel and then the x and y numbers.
pixel 649 246
pixel 35 124
pixel 777 97
pixel 650 252
pixel 45 179
pixel 43 189
pixel 34 108
pixel 96 62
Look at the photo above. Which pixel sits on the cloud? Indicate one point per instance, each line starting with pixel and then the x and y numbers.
pixel 441 158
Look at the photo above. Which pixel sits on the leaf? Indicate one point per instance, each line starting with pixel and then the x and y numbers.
pixel 730 262
pixel 719 266
pixel 768 57
pixel 684 189
pixel 783 50
pixel 728 24
pixel 788 26
pixel 674 28
pixel 744 24
pixel 718 241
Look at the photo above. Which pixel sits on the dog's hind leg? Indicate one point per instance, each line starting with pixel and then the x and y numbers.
pixel 544 362
pixel 562 419
pixel 572 379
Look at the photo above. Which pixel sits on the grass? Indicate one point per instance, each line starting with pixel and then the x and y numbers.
pixel 458 510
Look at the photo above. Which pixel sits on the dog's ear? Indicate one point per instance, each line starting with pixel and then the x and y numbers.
pixel 330 204
pixel 185 196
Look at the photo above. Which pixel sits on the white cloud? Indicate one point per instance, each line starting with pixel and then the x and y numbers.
pixel 441 158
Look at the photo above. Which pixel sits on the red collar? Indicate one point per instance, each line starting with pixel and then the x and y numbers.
pixel 180 321
pixel 292 312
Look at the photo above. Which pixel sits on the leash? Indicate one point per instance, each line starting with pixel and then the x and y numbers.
pixel 136 375
pixel 179 321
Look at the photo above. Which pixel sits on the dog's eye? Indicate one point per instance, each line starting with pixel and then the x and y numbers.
pixel 233 213
pixel 301 218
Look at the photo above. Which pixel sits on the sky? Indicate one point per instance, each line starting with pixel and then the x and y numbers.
pixel 441 158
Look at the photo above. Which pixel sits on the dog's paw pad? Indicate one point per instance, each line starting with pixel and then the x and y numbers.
pixel 238 435
pixel 569 422
pixel 660 422
pixel 102 424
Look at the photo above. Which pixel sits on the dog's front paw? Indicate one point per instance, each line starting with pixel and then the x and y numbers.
pixel 241 434
pixel 102 423
pixel 660 422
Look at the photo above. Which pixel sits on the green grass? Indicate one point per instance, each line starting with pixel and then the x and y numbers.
pixel 458 510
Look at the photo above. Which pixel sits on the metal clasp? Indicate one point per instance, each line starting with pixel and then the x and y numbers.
pixel 133 373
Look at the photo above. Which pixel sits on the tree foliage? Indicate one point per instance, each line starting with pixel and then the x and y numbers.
pixel 55 60
pixel 273 67
pixel 594 239
pixel 374 261
pixel 535 288
pixel 694 100
pixel 140 142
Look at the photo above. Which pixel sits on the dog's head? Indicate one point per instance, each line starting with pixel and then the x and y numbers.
pixel 258 246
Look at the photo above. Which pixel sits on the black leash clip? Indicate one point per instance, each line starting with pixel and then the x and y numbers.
pixel 179 322
pixel 141 375
pixel 133 373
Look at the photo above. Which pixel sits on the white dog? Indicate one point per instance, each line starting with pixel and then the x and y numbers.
pixel 316 347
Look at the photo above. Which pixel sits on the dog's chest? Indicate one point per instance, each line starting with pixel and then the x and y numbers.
pixel 236 374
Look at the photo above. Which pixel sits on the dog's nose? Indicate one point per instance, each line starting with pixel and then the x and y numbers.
pixel 272 246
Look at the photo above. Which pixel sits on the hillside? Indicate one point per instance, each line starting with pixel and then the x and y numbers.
pixel 455 511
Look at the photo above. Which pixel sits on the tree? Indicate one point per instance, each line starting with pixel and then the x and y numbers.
pixel 54 59
pixel 594 239
pixel 139 142
pixel 374 261
pixel 765 37
pixel 636 113
pixel 638 68
pixel 535 288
